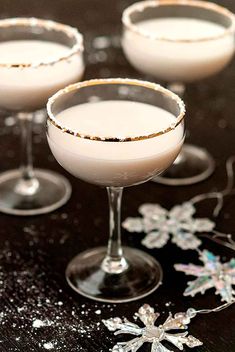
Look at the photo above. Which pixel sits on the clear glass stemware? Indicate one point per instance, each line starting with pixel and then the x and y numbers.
pixel 180 42
pixel 37 57
pixel 115 133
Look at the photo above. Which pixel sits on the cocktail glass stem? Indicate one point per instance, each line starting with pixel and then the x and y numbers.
pixel 114 261
pixel 28 184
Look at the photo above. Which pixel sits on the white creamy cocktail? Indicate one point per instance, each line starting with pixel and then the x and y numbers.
pixel 28 89
pixel 115 133
pixel 180 42
pixel 37 57
pixel 187 56
pixel 115 163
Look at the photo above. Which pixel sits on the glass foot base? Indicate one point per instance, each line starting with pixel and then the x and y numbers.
pixel 52 191
pixel 85 276
pixel 193 165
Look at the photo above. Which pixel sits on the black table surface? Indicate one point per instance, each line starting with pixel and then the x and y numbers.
pixel 34 251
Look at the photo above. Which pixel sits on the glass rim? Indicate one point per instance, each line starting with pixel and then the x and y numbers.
pixel 127 81
pixel 71 32
pixel 142 5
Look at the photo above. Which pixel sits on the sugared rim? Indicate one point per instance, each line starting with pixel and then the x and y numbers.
pixel 49 25
pixel 133 82
pixel 142 5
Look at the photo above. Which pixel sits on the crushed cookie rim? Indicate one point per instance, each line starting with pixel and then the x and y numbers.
pixel 142 5
pixel 70 31
pixel 93 82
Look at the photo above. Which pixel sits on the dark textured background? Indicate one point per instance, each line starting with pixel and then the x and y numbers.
pixel 34 251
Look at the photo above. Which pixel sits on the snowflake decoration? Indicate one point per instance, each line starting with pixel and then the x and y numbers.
pixel 151 333
pixel 215 274
pixel 160 223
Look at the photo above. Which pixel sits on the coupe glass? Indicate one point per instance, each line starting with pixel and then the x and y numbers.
pixel 25 87
pixel 178 61
pixel 114 160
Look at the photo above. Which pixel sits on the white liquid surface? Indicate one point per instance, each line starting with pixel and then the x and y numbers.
pixel 27 89
pixel 179 61
pixel 115 163
pixel 181 28
pixel 30 51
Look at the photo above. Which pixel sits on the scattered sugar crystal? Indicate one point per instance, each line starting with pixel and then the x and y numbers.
pixel 98 311
pixel 43 305
pixel 48 345
pixel 37 323
pixel 19 309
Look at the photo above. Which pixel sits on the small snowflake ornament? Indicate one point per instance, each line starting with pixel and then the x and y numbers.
pixel 160 223
pixel 213 273
pixel 153 334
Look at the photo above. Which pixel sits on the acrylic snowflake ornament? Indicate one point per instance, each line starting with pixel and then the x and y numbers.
pixel 160 223
pixel 213 273
pixel 150 333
